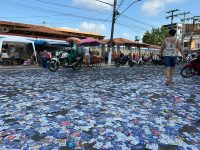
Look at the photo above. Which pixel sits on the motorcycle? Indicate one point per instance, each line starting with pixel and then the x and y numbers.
pixel 157 61
pixel 61 59
pixel 140 62
pixel 192 68
pixel 122 61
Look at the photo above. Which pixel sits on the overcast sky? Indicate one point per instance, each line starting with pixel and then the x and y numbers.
pixel 94 16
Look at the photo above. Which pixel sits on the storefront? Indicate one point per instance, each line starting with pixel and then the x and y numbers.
pixel 14 50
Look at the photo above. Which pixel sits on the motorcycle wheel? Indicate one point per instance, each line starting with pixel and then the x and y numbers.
pixel 117 64
pixel 77 66
pixel 139 64
pixel 131 64
pixel 98 64
pixel 53 65
pixel 187 72
pixel 91 65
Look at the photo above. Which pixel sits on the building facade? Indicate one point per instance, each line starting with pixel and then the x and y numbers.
pixel 189 34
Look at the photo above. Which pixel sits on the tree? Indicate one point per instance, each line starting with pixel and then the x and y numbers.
pixel 155 36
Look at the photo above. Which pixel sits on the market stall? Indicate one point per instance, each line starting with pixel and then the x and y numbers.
pixel 16 47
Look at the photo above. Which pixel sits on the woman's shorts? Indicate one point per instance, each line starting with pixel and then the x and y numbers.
pixel 170 61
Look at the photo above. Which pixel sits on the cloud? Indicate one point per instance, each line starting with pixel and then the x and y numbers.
pixel 175 1
pixel 154 7
pixel 91 27
pixel 125 35
pixel 70 28
pixel 92 4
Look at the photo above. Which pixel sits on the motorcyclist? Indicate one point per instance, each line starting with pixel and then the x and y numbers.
pixel 121 55
pixel 73 52
pixel 130 56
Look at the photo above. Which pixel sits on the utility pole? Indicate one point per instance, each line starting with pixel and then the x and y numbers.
pixel 195 18
pixel 183 20
pixel 111 48
pixel 183 26
pixel 115 13
pixel 172 16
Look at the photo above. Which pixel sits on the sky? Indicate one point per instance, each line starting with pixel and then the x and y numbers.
pixel 95 16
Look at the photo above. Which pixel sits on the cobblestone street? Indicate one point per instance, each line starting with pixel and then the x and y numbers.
pixel 98 108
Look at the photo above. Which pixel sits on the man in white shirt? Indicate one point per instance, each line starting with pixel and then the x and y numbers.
pixel 87 55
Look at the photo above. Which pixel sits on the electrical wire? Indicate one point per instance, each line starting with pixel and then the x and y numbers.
pixel 127 24
pixel 84 9
pixel 104 2
pixel 61 5
pixel 120 4
pixel 57 12
pixel 131 27
pixel 137 21
pixel 127 8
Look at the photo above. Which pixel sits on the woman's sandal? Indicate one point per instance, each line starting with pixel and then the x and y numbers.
pixel 167 83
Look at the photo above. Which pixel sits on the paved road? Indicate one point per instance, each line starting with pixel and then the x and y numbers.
pixel 98 108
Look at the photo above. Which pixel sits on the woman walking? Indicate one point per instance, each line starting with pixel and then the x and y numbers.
pixel 169 51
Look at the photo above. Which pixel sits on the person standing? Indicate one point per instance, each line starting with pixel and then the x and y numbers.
pixel 169 52
pixel 44 57
pixel 106 57
pixel 87 55
pixel 12 53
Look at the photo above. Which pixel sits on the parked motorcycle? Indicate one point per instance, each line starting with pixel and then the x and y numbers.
pixel 157 61
pixel 61 58
pixel 140 62
pixel 122 61
pixel 192 68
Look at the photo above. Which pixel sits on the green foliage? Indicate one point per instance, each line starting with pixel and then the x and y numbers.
pixel 155 36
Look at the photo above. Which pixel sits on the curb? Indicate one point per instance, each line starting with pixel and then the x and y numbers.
pixel 40 67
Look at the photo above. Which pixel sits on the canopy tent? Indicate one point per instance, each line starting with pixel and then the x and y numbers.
pixel 74 39
pixel 17 39
pixel 58 43
pixel 51 42
pixel 89 42
pixel 50 45
pixel 39 42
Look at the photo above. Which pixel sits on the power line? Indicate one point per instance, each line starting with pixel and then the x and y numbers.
pixel 134 27
pixel 57 12
pixel 120 4
pixel 53 3
pixel 103 20
pixel 130 26
pixel 67 6
pixel 33 7
pixel 183 26
pixel 63 5
pixel 137 21
pixel 104 2
pixel 127 8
